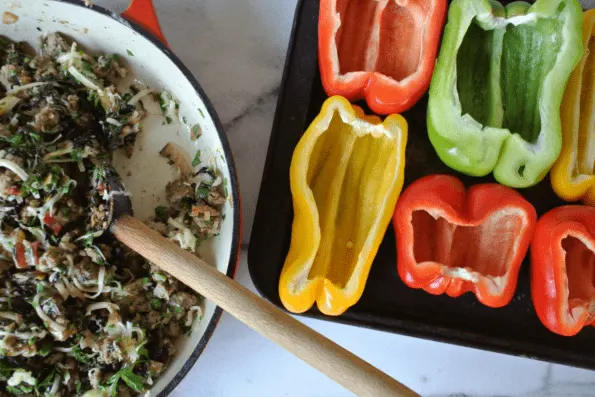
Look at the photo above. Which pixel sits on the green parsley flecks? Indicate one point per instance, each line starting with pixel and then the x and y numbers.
pixel 195 132
pixel 197 160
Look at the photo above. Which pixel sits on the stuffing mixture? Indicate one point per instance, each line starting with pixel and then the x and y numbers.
pixel 80 314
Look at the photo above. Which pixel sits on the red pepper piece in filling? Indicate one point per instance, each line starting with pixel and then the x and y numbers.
pixel 453 241
pixel 21 259
pixel 383 50
pixel 13 191
pixel 563 269
pixel 26 254
pixel 52 223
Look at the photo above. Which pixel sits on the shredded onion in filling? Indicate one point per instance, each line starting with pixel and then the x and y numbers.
pixel 83 79
pixel 17 318
pixel 14 167
pixel 134 100
pixel 42 315
pixel 111 307
pixel 19 88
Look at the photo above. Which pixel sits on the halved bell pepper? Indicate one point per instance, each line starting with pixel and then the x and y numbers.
pixel 346 174
pixel 453 241
pixel 383 50
pixel 573 175
pixel 563 269
pixel 495 96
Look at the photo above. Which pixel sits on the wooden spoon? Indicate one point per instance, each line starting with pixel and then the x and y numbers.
pixel 257 313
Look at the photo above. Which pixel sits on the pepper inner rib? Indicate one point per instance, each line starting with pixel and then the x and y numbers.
pixel 487 248
pixel 500 73
pixel 580 270
pixel 350 176
pixel 381 36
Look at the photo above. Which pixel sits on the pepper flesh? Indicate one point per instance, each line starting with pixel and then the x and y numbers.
pixel 573 175
pixel 454 241
pixel 346 174
pixel 383 51
pixel 563 269
pixel 494 103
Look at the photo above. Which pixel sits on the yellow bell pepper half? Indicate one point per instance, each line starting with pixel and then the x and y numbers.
pixel 346 175
pixel 573 175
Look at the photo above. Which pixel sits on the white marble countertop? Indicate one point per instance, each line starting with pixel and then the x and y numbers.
pixel 236 49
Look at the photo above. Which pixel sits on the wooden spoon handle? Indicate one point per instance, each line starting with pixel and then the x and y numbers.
pixel 321 353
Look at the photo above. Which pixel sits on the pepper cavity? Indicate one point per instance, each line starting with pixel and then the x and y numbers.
pixel 451 240
pixel 383 51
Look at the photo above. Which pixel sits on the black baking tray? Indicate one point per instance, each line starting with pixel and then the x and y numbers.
pixel 387 303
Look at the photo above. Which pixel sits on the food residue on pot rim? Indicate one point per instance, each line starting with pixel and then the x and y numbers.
pixel 8 18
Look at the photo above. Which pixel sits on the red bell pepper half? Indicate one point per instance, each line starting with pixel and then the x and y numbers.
pixel 453 241
pixel 563 269
pixel 383 50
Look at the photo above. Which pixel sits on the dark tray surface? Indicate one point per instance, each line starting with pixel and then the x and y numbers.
pixel 387 303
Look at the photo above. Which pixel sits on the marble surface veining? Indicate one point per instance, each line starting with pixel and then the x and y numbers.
pixel 236 49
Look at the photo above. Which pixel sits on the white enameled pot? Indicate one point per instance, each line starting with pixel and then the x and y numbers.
pixel 145 175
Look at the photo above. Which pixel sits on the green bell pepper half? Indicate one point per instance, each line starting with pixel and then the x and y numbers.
pixel 494 103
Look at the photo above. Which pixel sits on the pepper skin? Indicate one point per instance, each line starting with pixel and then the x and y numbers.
pixel 494 103
pixel 382 51
pixel 453 241
pixel 345 176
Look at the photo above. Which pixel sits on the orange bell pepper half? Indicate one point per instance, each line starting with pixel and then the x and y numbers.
pixel 383 51
pixel 453 241
pixel 563 269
